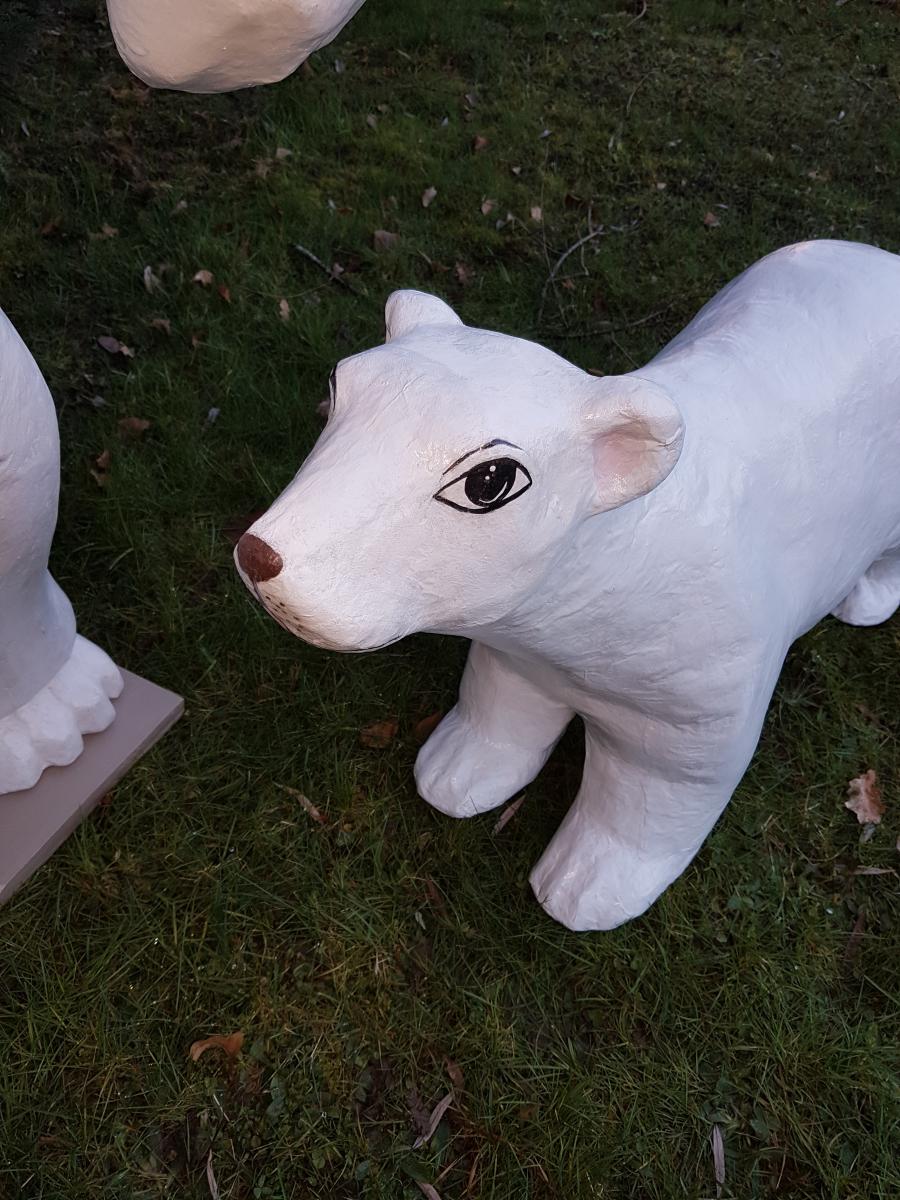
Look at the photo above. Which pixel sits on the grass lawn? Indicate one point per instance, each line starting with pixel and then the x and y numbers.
pixel 380 957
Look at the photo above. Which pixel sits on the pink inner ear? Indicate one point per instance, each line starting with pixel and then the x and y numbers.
pixel 625 463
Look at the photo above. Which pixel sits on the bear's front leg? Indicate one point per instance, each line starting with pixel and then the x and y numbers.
pixel 493 742
pixel 646 804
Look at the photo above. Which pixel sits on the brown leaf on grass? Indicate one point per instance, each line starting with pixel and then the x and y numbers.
pixel 537 214
pixel 480 142
pixel 710 220
pixel 231 1043
pixel 384 240
pixel 306 804
pixel 508 813
pixel 100 469
pixel 422 730
pixel 428 195
pixel 204 278
pixel 225 292
pixel 132 428
pixel 163 324
pixel 106 231
pixel 487 207
pixel 379 735
pixel 113 346
pixel 433 1121
pixel 49 228
pixel 455 1074
pixel 417 1110
pixel 281 153
pixel 463 273
pixel 284 310
pixel 428 1191
pixel 856 934
pixel 865 799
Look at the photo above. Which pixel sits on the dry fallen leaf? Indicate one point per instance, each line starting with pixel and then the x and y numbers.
pixel 163 324
pixel 384 240
pixel 865 799
pixel 113 346
pixel 456 1075
pixel 49 228
pixel 214 1192
pixel 718 1151
pixel 372 121
pixel 152 282
pixel 537 213
pixel 710 220
pixel 487 207
pixel 307 805
pixel 508 813
pixel 282 153
pixel 423 729
pixel 433 1121
pixel 204 278
pixel 480 143
pixel 429 1192
pixel 100 469
pixel 464 274
pixel 131 428
pixel 224 292
pixel 230 1043
pixel 380 735
pixel 428 195
pixel 284 310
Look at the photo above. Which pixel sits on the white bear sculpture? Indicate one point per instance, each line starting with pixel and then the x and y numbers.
pixel 54 685
pixel 222 45
pixel 646 547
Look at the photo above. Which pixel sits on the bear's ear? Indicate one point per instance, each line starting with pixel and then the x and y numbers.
pixel 405 310
pixel 636 433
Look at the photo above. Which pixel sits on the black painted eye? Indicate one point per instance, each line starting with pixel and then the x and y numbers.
pixel 487 487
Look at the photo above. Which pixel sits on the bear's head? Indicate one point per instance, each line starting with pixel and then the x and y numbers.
pixel 455 467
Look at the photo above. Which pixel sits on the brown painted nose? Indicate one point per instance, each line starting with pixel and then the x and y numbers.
pixel 257 559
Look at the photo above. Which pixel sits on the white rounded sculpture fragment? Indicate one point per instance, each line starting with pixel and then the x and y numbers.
pixel 222 45
pixel 54 685
pixel 639 550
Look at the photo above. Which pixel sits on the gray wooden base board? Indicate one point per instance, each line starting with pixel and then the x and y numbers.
pixel 35 823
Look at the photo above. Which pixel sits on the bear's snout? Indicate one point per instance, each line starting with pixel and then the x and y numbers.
pixel 257 559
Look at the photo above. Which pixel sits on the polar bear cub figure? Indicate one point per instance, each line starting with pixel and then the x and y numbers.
pixel 640 550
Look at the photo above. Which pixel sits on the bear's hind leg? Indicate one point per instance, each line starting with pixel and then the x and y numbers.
pixel 493 742
pixel 876 596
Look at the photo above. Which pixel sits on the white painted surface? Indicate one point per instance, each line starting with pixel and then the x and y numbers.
pixel 54 685
pixel 222 45
pixel 683 525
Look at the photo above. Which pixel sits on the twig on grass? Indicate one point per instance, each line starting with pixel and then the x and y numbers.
pixel 588 237
pixel 329 271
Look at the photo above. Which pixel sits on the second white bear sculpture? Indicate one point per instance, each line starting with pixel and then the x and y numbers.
pixel 54 685
pixel 640 550
pixel 221 45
